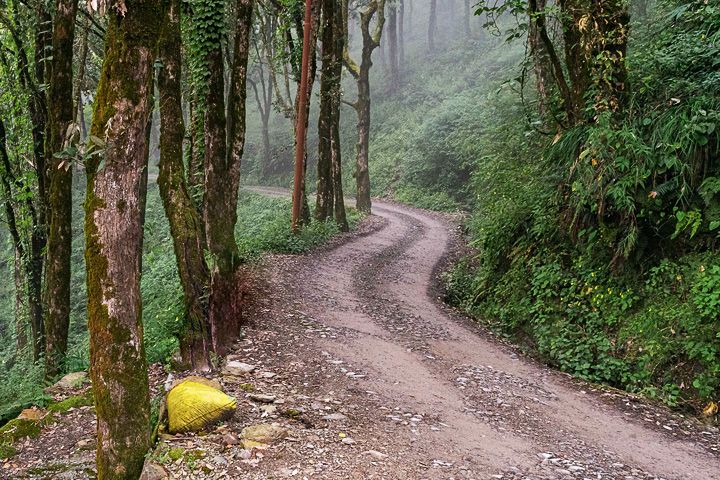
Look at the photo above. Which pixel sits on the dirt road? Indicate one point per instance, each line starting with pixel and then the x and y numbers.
pixel 455 396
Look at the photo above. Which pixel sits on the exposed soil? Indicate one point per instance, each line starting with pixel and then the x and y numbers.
pixel 376 378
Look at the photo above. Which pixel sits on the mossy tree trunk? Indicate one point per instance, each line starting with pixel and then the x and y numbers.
pixel 335 148
pixel 20 330
pixel 361 74
pixel 325 205
pixel 6 194
pixel 183 216
pixel 222 182
pixel 61 116
pixel 541 65
pixel 35 205
pixel 113 249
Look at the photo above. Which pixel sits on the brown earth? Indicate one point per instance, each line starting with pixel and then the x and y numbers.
pixel 375 378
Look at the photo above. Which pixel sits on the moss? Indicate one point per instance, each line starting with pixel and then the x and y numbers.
pixel 84 400
pixel 247 387
pixel 19 428
pixel 6 451
pixel 176 453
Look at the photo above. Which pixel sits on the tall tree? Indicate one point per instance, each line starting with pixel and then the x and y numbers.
pixel 114 238
pixel 432 25
pixel 392 33
pixel 180 209
pixel 401 33
pixel 34 205
pixel 361 74
pixel 61 117
pixel 541 64
pixel 222 183
pixel 330 200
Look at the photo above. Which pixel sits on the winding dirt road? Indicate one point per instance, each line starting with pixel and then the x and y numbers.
pixel 458 398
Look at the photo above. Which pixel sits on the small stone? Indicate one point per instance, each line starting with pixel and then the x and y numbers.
pixel 230 439
pixel 334 416
pixel 152 471
pixel 237 369
pixel 262 398
pixel 545 456
pixel 348 441
pixel 220 460
pixel 375 454
pixel 68 382
pixel 265 433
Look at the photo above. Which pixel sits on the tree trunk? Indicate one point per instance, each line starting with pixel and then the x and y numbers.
pixel 362 172
pixel 393 47
pixel 61 116
pixel 20 330
pixel 432 25
pixel 113 249
pixel 196 153
pixel 401 34
pixel 466 16
pixel 361 74
pixel 180 209
pixel 541 63
pixel 324 205
pixel 578 66
pixel 222 182
pixel 612 20
pixel 335 147
pixel 79 79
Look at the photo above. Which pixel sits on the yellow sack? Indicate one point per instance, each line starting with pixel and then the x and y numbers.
pixel 193 406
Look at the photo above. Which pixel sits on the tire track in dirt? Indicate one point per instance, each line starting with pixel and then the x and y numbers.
pixel 494 413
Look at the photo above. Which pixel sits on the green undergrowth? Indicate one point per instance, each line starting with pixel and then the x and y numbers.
pixel 264 227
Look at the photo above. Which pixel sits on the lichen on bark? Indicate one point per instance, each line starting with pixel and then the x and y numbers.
pixel 113 234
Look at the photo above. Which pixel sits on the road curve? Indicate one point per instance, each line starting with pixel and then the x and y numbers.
pixel 485 410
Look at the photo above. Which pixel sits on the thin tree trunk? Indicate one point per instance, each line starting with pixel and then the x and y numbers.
pixel 393 47
pixel 361 74
pixel 432 25
pixel 59 246
pixel 79 79
pixel 113 249
pixel 401 34
pixel 466 16
pixel 20 329
pixel 180 209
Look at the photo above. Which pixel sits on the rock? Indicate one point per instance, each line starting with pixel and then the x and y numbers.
pixel 32 414
pixel 237 368
pixel 249 445
pixel 201 380
pixel 269 409
pixel 265 433
pixel 334 416
pixel 220 460
pixel 152 471
pixel 348 441
pixel 375 454
pixel 230 439
pixel 68 382
pixel 262 398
